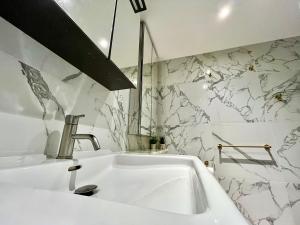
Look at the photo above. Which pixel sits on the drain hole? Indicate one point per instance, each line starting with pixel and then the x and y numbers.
pixel 86 190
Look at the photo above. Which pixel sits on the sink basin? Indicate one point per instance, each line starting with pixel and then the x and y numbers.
pixel 167 184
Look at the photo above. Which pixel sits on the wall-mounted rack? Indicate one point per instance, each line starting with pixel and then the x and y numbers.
pixel 266 146
pixel 249 159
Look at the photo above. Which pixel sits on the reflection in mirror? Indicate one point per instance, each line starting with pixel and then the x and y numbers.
pixel 125 46
pixel 134 112
pixel 83 13
pixel 134 105
pixel 149 86
pixel 154 95
pixel 142 105
pixel 146 86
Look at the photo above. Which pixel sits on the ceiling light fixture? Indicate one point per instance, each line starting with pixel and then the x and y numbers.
pixel 224 12
pixel 138 5
pixel 103 43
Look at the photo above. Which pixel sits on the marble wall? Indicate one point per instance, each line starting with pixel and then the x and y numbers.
pixel 228 97
pixel 38 89
pixel 242 96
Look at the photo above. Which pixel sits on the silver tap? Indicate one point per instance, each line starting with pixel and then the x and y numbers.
pixel 69 135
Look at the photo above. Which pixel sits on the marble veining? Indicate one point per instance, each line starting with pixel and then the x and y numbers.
pixel 40 88
pixel 293 190
pixel 116 120
pixel 246 73
pixel 149 100
pixel 261 202
pixel 230 97
pixel 291 143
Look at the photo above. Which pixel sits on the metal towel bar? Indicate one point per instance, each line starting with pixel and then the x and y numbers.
pixel 266 146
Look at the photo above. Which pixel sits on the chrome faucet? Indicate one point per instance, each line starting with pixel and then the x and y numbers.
pixel 69 135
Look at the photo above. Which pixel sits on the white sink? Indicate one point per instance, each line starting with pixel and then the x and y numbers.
pixel 160 185
pixel 152 182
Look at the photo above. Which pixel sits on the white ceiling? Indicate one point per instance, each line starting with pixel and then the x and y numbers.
pixel 188 27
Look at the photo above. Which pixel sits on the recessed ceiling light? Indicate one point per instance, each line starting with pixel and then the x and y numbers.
pixel 224 12
pixel 103 43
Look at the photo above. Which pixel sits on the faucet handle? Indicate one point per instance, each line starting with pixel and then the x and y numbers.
pixel 73 119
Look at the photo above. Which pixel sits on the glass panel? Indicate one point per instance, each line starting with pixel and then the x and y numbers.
pixel 94 17
pixel 143 101
pixel 125 47
pixel 146 86
pixel 154 94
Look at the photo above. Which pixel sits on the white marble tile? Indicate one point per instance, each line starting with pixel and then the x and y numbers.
pixel 243 80
pixel 21 135
pixel 238 104
pixel 293 190
pixel 260 202
pixel 177 109
pixel 287 148
pixel 190 140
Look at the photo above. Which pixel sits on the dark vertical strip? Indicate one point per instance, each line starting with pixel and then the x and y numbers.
pixel 140 74
pixel 112 30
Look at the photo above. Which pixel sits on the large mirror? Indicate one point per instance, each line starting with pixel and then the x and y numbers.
pixel 108 31
pixel 149 86
pixel 142 104
pixel 95 18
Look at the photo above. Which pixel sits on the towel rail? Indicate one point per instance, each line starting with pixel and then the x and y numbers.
pixel 266 146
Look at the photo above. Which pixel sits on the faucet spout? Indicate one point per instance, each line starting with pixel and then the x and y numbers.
pixel 90 137
pixel 69 135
